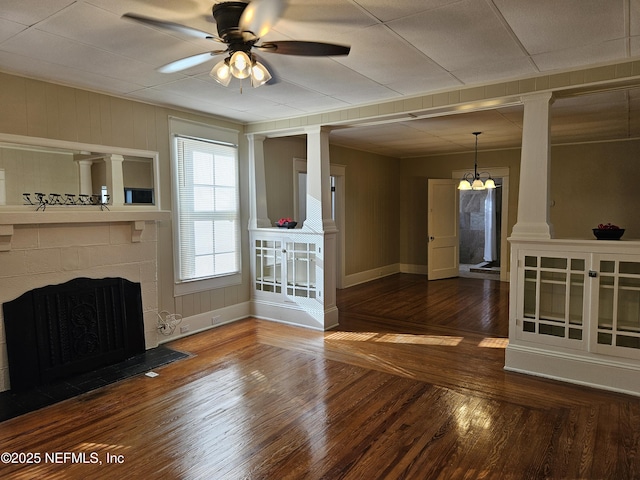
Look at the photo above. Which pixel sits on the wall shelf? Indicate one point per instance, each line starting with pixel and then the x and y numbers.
pixel 137 216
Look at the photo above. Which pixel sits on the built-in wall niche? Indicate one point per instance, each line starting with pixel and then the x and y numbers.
pixel 37 165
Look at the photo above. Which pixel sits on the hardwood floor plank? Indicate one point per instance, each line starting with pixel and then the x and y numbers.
pixel 411 385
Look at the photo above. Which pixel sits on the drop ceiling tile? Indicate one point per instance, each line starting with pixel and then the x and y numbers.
pixel 394 59
pixel 66 53
pixel 450 35
pixel 548 25
pixel 320 21
pixel 68 76
pixel 495 69
pixel 170 99
pixel 107 31
pixel 416 85
pixel 85 43
pixel 581 56
pixel 8 29
pixel 297 97
pixel 30 12
pixel 326 76
pixel 194 13
pixel 387 10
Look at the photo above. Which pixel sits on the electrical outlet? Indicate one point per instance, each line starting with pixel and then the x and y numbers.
pixel 184 328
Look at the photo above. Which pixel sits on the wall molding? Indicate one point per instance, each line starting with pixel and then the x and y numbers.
pixel 618 375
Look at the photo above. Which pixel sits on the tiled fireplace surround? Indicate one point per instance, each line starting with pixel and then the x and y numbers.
pixel 72 244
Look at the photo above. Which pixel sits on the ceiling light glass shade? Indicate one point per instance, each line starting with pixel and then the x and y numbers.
pixel 477 185
pixel 221 72
pixel 240 65
pixel 259 75
pixel 464 185
pixel 489 183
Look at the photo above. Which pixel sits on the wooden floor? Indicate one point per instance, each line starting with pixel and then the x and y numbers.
pixel 410 386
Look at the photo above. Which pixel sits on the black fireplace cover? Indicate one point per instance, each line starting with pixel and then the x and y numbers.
pixel 58 331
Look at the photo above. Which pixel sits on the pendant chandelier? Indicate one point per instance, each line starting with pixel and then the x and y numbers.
pixel 475 180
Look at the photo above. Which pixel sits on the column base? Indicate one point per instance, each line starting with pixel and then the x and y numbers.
pixel 532 231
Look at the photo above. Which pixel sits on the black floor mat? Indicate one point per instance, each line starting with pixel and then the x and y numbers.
pixel 15 404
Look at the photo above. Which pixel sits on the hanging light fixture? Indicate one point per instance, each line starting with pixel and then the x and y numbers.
pixel 240 65
pixel 474 181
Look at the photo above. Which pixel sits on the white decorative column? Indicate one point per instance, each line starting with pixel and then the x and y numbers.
pixel 319 218
pixel 115 178
pixel 533 199
pixel 258 217
pixel 318 181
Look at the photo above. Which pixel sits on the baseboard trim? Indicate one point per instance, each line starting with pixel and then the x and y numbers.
pixel 208 320
pixel 602 373
pixel 369 275
pixel 295 315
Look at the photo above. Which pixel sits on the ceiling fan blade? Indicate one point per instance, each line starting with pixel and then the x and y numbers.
pixel 176 27
pixel 260 15
pixel 189 62
pixel 314 49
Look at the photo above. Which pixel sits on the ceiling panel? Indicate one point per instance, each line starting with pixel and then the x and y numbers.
pixel 544 25
pixel 30 12
pixel 449 35
pixel 399 48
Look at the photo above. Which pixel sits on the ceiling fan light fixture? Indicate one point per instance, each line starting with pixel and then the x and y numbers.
pixel 259 75
pixel 240 65
pixel 221 72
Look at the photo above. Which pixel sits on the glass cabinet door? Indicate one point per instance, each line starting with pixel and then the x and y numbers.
pixel 553 296
pixel 301 269
pixel 618 309
pixel 268 265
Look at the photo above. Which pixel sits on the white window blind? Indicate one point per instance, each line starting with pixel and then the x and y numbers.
pixel 208 213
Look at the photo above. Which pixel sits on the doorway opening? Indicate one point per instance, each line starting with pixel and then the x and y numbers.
pixel 481 232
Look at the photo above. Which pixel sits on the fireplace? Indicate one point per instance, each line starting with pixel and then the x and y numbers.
pixel 58 331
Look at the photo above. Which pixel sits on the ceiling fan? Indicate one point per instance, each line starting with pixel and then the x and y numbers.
pixel 240 26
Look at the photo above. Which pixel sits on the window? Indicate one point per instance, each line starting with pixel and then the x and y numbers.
pixel 207 212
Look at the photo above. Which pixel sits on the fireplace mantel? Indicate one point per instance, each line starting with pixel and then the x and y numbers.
pixel 76 215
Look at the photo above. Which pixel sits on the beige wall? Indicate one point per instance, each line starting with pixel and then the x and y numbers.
pixel 31 171
pixel 278 163
pixel 137 174
pixel 590 184
pixel 372 229
pixel 595 183
pixel 413 196
pixel 34 108
pixel 371 190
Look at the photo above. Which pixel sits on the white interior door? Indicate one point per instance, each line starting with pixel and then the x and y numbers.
pixel 443 220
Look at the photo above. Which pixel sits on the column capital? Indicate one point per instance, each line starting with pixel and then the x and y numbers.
pixel 310 129
pixel 538 97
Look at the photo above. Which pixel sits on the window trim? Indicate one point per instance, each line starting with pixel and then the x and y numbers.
pixel 208 133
